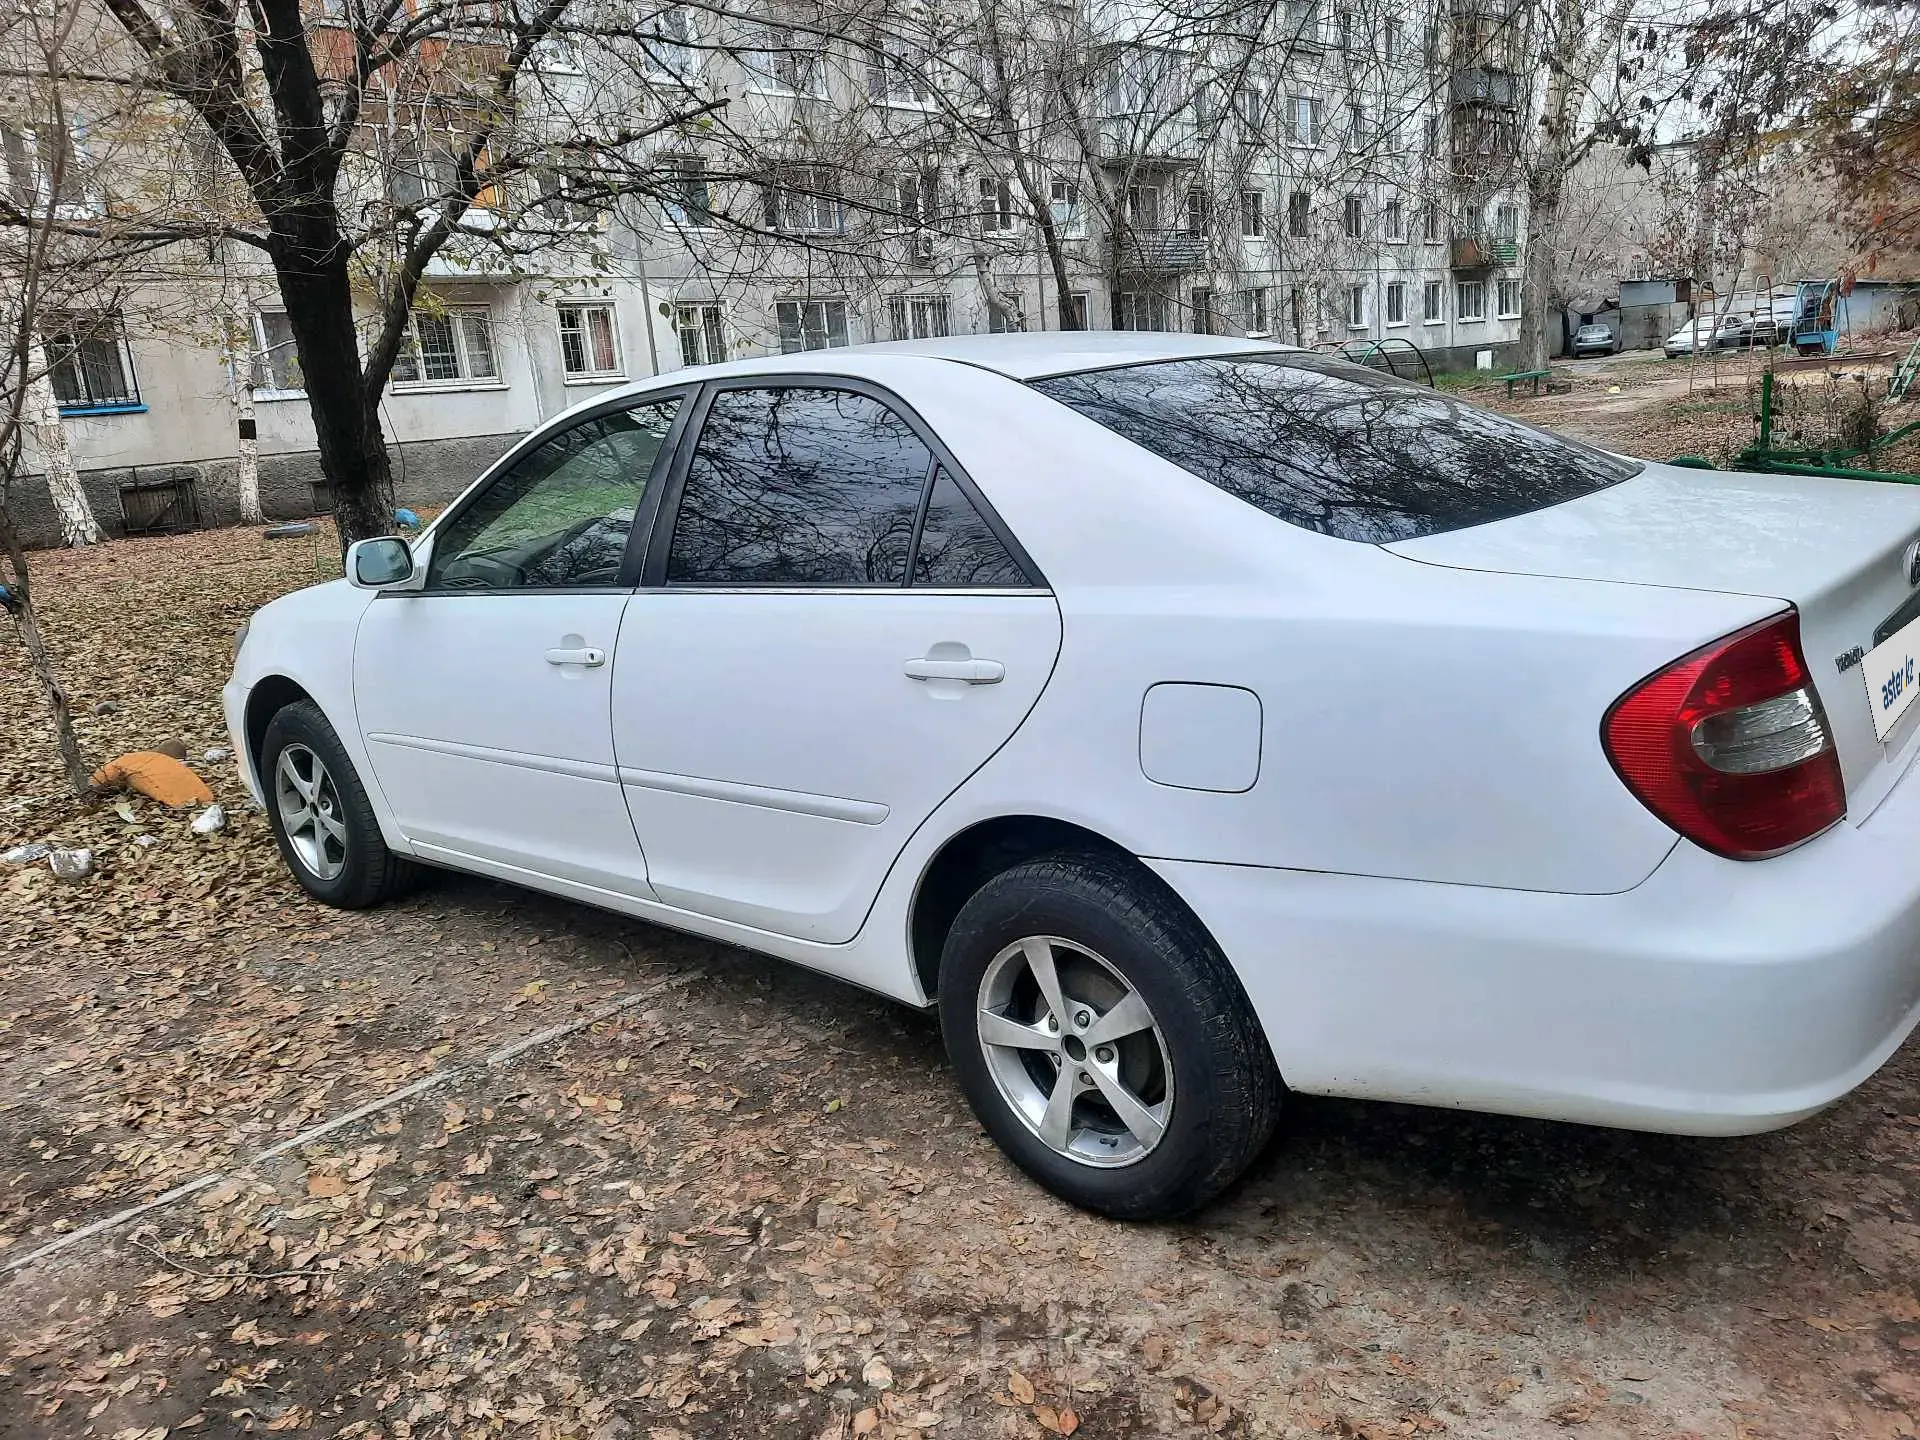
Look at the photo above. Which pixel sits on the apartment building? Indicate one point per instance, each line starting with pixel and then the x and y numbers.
pixel 1328 175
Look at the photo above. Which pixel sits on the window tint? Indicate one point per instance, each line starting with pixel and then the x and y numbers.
pixel 957 547
pixel 1338 448
pixel 561 515
pixel 797 486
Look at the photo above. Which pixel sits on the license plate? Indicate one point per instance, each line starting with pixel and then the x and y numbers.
pixel 1892 672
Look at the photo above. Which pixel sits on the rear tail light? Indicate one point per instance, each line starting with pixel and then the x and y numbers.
pixel 1729 745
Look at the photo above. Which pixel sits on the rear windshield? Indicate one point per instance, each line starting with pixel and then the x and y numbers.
pixel 1336 447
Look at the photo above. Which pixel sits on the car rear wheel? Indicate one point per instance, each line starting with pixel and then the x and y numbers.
pixel 321 816
pixel 1102 1038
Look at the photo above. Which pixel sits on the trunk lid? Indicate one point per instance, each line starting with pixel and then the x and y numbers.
pixel 1841 551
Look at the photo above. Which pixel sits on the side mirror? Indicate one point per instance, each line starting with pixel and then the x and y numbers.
pixel 379 563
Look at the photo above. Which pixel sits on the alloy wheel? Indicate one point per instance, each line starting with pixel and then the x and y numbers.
pixel 310 812
pixel 1075 1051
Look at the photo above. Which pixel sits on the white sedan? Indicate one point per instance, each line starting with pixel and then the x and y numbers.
pixel 1192 720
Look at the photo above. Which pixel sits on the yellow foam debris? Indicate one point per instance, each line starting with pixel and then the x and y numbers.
pixel 160 777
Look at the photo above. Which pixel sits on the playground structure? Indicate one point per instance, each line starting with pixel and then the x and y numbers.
pixel 1816 318
pixel 1848 421
pixel 1393 355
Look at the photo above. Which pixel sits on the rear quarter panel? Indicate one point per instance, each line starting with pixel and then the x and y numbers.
pixel 1417 722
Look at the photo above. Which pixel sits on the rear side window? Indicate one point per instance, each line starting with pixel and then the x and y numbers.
pixel 958 547
pixel 799 486
pixel 1338 448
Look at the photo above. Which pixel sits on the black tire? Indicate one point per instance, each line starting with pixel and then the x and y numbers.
pixel 371 873
pixel 1225 1089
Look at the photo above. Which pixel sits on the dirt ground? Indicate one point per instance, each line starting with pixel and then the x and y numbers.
pixel 717 1196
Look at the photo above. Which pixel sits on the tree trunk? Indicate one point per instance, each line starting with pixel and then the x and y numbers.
pixel 1545 185
pixel 247 446
pixel 26 624
pixel 318 293
pixel 77 525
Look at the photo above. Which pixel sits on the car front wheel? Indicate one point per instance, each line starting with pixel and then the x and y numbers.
pixel 321 816
pixel 1102 1038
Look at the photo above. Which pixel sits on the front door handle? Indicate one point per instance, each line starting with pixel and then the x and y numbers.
pixel 970 671
pixel 587 655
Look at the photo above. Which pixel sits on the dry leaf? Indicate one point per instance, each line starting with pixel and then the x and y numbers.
pixel 877 1374
pixel 1020 1387
pixel 325 1184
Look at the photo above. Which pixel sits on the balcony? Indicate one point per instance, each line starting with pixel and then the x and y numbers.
pixel 1484 86
pixel 1147 139
pixel 1162 252
pixel 1482 252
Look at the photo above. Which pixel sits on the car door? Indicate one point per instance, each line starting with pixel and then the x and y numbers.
pixel 483 696
pixel 836 632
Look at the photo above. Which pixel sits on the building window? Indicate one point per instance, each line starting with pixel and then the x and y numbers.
pixel 1393 41
pixel 1143 207
pixel 1301 19
pixel 1004 316
pixel 907 199
pixel 689 196
pixel 997 213
pixel 1253 311
pixel 702 342
pixel 1393 217
pixel 1508 298
pixel 91 369
pixel 1199 218
pixel 805 200
pixel 1431 145
pixel 452 347
pixel 1077 309
pixel 668 45
pixel 1250 104
pixel 811 324
pixel 1201 311
pixel 894 78
pixel 1506 223
pixel 1063 200
pixel 1359 125
pixel 1430 223
pixel 1357 306
pixel 1352 217
pixel 788 62
pixel 1299 208
pixel 1253 220
pixel 916 317
pixel 1470 300
pixel 557 205
pixel 1343 30
pixel 276 359
pixel 589 344
pixel 1433 302
pixel 1303 120
pixel 1140 310
pixel 1396 302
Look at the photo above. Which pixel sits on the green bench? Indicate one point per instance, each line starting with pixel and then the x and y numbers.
pixel 1536 376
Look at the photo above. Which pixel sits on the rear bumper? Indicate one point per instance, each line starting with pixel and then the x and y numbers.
pixel 1715 998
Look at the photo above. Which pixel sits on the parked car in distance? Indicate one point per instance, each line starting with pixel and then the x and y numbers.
pixel 1190 720
pixel 1697 334
pixel 1594 340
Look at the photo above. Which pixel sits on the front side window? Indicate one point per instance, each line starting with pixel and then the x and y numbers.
pixel 799 486
pixel 810 324
pixel 589 347
pixel 90 368
pixel 560 516
pixel 447 347
pixel 1338 448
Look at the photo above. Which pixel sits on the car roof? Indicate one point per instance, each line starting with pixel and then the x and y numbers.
pixel 1020 357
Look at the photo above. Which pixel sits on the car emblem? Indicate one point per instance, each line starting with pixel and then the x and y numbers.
pixel 1910 562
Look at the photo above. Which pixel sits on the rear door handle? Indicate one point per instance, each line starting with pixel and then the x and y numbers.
pixel 972 672
pixel 588 656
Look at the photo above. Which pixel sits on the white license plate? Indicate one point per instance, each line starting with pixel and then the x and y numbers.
pixel 1892 672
